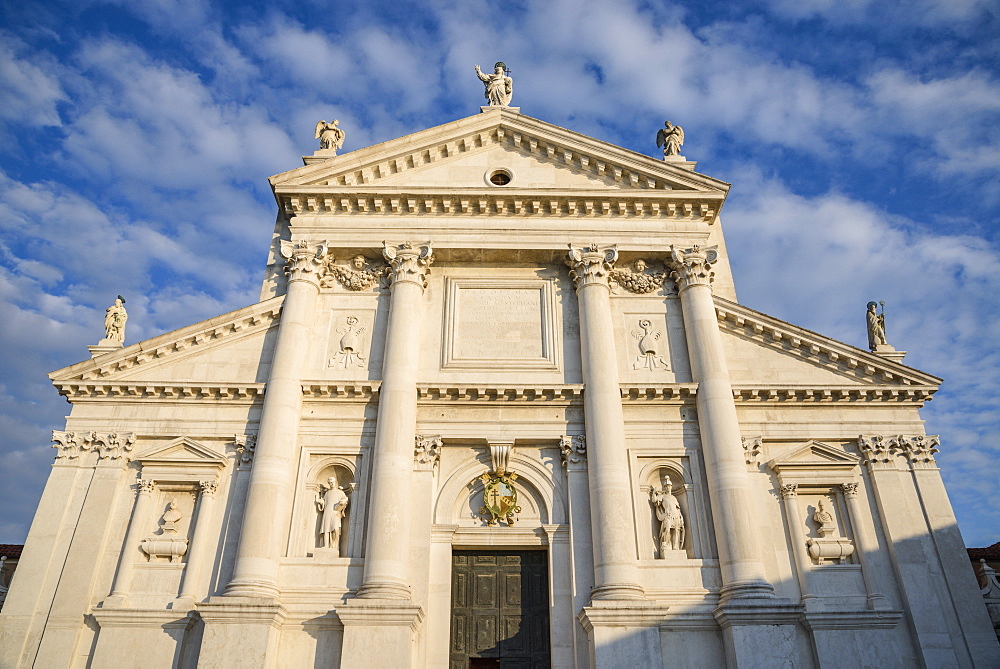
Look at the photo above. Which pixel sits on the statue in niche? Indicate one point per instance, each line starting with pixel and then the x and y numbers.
pixel 648 338
pixel 350 345
pixel 668 512
pixel 670 138
pixel 635 280
pixel 115 317
pixel 824 519
pixel 499 86
pixel 332 503
pixel 876 326
pixel 330 136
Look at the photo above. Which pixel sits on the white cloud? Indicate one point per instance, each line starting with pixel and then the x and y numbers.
pixel 30 92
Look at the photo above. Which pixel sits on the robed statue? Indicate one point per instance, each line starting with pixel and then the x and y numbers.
pixel 499 87
pixel 114 321
pixel 332 504
pixel 876 326
pixel 329 135
pixel 670 138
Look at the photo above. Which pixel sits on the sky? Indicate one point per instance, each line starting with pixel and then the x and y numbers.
pixel 862 139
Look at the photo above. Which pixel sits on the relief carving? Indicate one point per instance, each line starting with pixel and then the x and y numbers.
pixel 350 345
pixel 753 448
pixel 831 546
pixel 635 280
pixel 246 446
pixel 648 338
pixel 107 445
pixel 358 275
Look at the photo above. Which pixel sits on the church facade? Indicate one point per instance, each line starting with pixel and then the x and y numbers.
pixel 497 405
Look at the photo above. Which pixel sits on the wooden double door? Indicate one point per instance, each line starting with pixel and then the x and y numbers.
pixel 499 609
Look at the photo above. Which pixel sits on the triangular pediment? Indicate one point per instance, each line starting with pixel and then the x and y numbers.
pixel 220 356
pixel 458 155
pixel 772 359
pixel 182 450
pixel 814 455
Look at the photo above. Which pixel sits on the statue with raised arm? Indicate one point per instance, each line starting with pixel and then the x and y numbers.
pixel 499 87
pixel 332 504
pixel 114 321
pixel 876 326
pixel 670 138
pixel 329 135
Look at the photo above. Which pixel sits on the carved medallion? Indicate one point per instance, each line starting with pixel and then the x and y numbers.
pixel 499 497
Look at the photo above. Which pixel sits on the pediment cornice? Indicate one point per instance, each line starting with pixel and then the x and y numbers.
pixel 620 169
pixel 183 341
pixel 863 366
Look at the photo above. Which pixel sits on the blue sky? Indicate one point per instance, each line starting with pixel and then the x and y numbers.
pixel 862 140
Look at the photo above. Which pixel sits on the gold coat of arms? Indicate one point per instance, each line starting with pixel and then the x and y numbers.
pixel 499 497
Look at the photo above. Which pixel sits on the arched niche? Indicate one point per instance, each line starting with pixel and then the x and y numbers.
pixel 652 475
pixel 345 470
pixel 542 500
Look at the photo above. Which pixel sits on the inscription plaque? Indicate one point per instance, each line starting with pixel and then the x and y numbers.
pixel 506 324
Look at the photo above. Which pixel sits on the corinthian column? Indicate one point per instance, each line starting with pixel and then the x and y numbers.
pixel 616 575
pixel 270 492
pixel 728 482
pixel 385 575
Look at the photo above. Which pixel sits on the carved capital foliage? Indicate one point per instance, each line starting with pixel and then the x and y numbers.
pixel 878 451
pixel 692 266
pixel 919 449
pixel 246 446
pixel 573 449
pixel 408 263
pixel 753 448
pixel 144 486
pixel 850 489
pixel 304 260
pixel 591 265
pixel 208 487
pixel 427 452
pixel 356 275
pixel 107 445
pixel 789 490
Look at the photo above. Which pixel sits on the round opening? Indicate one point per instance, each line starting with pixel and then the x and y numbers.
pixel 500 177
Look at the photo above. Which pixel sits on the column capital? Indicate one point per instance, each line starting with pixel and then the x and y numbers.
pixel 573 449
pixel 692 266
pixel 789 490
pixel 591 265
pixel 144 486
pixel 408 262
pixel 304 260
pixel 850 489
pixel 426 452
pixel 208 487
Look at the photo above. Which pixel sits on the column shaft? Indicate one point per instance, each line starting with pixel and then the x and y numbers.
pixel 385 575
pixel 133 536
pixel 616 573
pixel 200 550
pixel 270 492
pixel 725 467
pixel 863 545
pixel 803 565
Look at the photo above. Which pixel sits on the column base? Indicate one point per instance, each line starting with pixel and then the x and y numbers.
pixel 384 590
pixel 618 591
pixel 762 632
pixel 239 632
pixel 379 632
pixel 754 590
pixel 252 590
pixel 159 633
pixel 623 634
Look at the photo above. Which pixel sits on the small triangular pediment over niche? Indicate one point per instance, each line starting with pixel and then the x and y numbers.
pixel 181 451
pixel 815 455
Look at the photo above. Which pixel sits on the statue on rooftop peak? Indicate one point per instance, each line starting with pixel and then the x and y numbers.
pixel 876 326
pixel 670 138
pixel 330 136
pixel 499 86
pixel 114 321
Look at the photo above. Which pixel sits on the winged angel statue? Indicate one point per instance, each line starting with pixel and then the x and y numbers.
pixel 329 135
pixel 670 138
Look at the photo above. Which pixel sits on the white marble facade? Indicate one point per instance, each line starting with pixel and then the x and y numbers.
pixel 577 326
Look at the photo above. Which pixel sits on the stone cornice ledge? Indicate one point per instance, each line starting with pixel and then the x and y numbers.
pixel 500 393
pixel 823 394
pixel 615 613
pixel 850 620
pixel 196 392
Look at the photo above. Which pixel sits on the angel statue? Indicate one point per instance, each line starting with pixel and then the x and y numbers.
pixel 329 135
pixel 499 87
pixel 670 138
pixel 114 321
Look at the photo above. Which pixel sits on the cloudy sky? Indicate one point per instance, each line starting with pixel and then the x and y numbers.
pixel 862 139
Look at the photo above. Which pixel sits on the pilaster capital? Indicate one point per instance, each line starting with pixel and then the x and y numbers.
pixel 573 449
pixel 850 489
pixel 246 446
pixel 144 486
pixel 789 490
pixel 591 265
pixel 426 452
pixel 878 451
pixel 107 445
pixel 408 262
pixel 919 449
pixel 753 448
pixel 304 260
pixel 692 266
pixel 208 488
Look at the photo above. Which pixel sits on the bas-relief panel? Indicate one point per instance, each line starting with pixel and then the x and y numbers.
pixel 347 340
pixel 501 324
pixel 650 338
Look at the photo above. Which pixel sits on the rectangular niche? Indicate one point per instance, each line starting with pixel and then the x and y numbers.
pixel 500 324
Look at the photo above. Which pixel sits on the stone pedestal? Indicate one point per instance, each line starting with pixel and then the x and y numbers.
pixel 889 353
pixel 379 633
pixel 623 634
pixel 140 637
pixel 105 346
pixel 240 632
